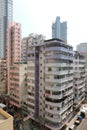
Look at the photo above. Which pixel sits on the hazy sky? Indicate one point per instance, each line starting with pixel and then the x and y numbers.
pixel 36 16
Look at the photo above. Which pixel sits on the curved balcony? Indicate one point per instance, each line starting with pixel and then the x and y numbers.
pixel 52 111
pixel 55 120
pixel 60 96
pixel 62 110
pixel 59 56
pixel 62 80
pixel 59 49
pixel 58 65
pixel 66 107
pixel 61 72
pixel 60 125
pixel 59 88
pixel 54 104
pixel 68 92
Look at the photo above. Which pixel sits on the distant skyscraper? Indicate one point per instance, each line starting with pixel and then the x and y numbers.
pixel 59 29
pixel 6 14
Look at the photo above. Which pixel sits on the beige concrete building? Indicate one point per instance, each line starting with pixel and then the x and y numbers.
pixel 3 76
pixel 6 121
pixel 79 79
pixel 82 48
pixel 17 82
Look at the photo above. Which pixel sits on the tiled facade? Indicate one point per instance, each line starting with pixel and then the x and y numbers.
pixel 13 45
pixel 17 84
pixel 79 79
pixel 50 83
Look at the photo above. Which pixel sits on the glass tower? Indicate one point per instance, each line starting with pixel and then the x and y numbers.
pixel 6 14
pixel 59 29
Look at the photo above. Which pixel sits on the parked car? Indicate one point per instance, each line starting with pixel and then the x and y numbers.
pixel 77 122
pixel 79 117
pixel 72 127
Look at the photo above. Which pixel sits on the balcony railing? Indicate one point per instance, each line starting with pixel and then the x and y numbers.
pixel 59 49
pixel 61 72
pixel 59 64
pixel 60 56
pixel 62 80
pixel 53 104
pixel 59 88
pixel 53 119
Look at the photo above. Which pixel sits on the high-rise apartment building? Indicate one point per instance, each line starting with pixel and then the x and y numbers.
pixel 82 49
pixel 17 84
pixel 59 29
pixel 31 39
pixel 6 14
pixel 13 45
pixel 50 83
pixel 79 79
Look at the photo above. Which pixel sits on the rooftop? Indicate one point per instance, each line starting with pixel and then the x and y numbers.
pixel 4 115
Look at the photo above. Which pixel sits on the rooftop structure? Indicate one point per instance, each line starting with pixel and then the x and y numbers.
pixel 6 120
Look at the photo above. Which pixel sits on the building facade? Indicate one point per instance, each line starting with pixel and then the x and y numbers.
pixel 13 46
pixel 3 76
pixel 59 29
pixel 31 39
pixel 24 46
pixel 6 14
pixel 82 49
pixel 50 83
pixel 79 79
pixel 17 84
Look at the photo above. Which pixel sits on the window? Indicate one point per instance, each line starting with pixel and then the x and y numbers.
pixel 49 69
